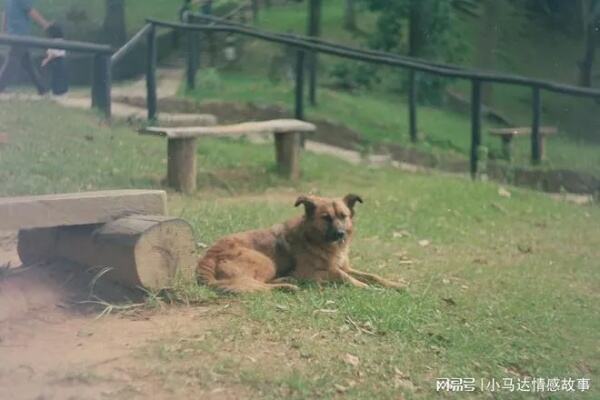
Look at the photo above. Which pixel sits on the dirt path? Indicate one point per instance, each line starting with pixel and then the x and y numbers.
pixel 54 354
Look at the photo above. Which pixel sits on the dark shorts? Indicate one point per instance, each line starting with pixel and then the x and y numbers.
pixel 59 79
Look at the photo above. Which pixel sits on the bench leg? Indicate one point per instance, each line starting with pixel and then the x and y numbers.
pixel 181 166
pixel 287 150
pixel 507 147
pixel 541 146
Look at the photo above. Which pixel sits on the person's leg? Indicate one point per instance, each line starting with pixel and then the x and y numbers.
pixel 9 69
pixel 33 72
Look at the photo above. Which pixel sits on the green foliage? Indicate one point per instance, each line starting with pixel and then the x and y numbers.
pixel 349 76
pixel 419 28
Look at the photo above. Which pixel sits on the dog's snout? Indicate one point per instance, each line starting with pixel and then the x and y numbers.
pixel 339 234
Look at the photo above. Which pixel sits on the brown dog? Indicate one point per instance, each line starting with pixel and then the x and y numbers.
pixel 313 247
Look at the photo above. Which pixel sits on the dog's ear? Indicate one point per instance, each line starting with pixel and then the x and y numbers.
pixel 351 200
pixel 309 204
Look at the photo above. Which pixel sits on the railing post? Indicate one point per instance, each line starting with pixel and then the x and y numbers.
pixel 475 124
pixel 412 105
pixel 192 56
pixel 536 140
pixel 102 84
pixel 151 99
pixel 299 114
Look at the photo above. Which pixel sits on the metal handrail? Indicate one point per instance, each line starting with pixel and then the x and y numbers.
pixel 127 47
pixel 305 43
pixel 70 45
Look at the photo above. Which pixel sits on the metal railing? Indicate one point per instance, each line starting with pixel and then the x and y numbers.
pixel 415 66
pixel 101 73
pixel 136 39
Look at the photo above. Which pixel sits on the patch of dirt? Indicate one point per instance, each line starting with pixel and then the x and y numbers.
pixel 54 354
pixel 8 250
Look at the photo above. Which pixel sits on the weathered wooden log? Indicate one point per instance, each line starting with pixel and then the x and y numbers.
pixel 37 245
pixel 141 251
pixel 181 165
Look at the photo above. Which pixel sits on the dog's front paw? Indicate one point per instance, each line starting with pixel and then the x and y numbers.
pixel 360 284
pixel 396 284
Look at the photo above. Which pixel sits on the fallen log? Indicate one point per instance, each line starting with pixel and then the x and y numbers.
pixel 146 251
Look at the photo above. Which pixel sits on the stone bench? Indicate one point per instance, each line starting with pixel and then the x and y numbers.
pixel 181 147
pixel 507 135
pixel 125 230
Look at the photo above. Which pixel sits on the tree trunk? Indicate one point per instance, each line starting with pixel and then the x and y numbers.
pixel 115 30
pixel 255 10
pixel 314 30
pixel 592 24
pixel 417 37
pixel 487 44
pixel 350 15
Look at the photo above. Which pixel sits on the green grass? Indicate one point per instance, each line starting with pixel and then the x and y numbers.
pixel 506 288
pixel 529 48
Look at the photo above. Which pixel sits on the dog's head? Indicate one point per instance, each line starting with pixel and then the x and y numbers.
pixel 328 220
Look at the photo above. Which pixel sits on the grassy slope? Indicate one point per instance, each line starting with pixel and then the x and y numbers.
pixel 381 117
pixel 519 275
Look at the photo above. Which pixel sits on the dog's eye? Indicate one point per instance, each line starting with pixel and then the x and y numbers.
pixel 343 216
pixel 327 217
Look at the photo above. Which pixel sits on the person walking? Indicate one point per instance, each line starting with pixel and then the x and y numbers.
pixel 55 63
pixel 16 20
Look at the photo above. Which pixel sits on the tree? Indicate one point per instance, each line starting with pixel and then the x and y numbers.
pixel 487 43
pixel 115 31
pixel 591 25
pixel 429 27
pixel 430 35
pixel 349 15
pixel 314 30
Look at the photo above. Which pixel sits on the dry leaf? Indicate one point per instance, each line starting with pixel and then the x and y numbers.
pixel 424 243
pixel 340 388
pixel 351 360
pixel 400 234
pixel 325 311
pixel 503 192
pixel 402 380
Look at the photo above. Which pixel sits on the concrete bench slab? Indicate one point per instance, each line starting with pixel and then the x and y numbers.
pixel 181 147
pixel 507 135
pixel 236 130
pixel 78 208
